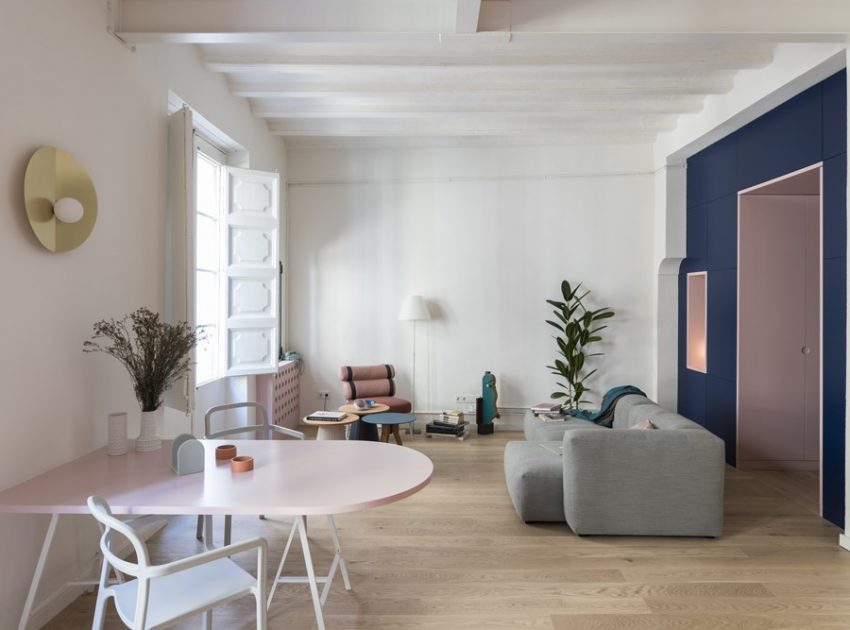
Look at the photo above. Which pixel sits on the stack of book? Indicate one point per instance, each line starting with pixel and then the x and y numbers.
pixel 450 424
pixel 546 409
pixel 326 416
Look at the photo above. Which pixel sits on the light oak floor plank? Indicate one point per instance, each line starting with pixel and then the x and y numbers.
pixel 455 556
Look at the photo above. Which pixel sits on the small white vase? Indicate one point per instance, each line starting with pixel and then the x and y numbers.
pixel 117 434
pixel 148 439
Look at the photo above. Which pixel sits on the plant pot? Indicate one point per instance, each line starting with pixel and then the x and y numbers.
pixel 148 439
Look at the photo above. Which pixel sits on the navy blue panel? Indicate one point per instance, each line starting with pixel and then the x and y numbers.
pixel 692 395
pixel 721 414
pixel 785 139
pixel 835 115
pixel 721 217
pixel 711 172
pixel 683 315
pixel 696 233
pixel 722 323
pixel 834 372
pixel 835 207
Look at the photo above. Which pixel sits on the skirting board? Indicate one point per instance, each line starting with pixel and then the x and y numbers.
pixel 844 541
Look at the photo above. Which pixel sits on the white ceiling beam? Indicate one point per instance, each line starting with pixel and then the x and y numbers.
pixel 554 139
pixel 466 16
pixel 304 42
pixel 374 108
pixel 705 83
pixel 734 56
pixel 648 90
pixel 472 125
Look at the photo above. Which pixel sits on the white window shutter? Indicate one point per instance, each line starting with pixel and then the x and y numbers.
pixel 179 242
pixel 250 241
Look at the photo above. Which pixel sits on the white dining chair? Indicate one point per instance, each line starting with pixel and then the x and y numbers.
pixel 264 429
pixel 163 594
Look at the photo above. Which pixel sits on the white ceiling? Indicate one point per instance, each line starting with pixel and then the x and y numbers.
pixel 423 71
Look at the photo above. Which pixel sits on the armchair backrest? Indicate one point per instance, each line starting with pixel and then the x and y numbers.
pixel 364 381
pixel 140 570
pixel 100 509
pixel 265 428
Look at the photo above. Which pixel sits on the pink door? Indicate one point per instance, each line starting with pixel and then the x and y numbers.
pixel 779 332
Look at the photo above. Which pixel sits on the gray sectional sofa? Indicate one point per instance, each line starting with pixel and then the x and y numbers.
pixel 620 481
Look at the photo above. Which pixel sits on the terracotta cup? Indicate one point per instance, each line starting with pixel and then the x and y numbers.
pixel 242 463
pixel 225 451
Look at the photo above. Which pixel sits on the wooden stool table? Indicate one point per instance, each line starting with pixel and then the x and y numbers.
pixel 331 429
pixel 389 424
pixel 363 430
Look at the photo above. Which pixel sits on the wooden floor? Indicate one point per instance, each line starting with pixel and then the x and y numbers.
pixel 455 556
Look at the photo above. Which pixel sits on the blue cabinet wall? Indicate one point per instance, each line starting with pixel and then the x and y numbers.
pixel 809 128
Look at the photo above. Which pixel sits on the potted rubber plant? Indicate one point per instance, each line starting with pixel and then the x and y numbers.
pixel 155 354
pixel 578 329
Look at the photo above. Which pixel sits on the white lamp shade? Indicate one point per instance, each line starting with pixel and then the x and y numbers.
pixel 68 210
pixel 414 308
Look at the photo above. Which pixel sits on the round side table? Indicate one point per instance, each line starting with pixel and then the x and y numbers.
pixel 362 430
pixel 389 424
pixel 334 430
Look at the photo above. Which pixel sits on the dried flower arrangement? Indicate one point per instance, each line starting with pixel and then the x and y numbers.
pixel 154 352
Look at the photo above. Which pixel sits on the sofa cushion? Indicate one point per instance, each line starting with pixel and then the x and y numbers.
pixel 534 474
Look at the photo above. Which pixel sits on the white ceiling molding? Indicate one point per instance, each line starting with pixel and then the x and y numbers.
pixel 606 71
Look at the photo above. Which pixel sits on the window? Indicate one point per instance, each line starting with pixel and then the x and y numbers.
pixel 208 272
pixel 221 253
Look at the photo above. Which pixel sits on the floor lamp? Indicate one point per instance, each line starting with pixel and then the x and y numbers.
pixel 414 309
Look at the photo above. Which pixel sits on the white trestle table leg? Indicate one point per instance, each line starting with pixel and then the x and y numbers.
pixel 39 571
pixel 282 560
pixel 311 575
pixel 338 564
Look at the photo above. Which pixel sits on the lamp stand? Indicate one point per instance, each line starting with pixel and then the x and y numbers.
pixel 413 430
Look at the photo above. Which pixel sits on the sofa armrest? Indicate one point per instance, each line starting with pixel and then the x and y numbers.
pixel 651 482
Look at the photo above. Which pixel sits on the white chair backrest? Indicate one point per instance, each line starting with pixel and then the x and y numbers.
pixel 265 427
pixel 101 511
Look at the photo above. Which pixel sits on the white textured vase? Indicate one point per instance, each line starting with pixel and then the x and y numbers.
pixel 148 439
pixel 116 432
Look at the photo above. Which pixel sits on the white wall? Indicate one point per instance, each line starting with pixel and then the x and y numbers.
pixel 69 84
pixel 485 235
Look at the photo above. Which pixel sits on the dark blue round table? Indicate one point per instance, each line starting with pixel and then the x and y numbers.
pixel 389 424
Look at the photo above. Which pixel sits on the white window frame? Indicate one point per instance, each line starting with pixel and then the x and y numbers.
pixel 218 157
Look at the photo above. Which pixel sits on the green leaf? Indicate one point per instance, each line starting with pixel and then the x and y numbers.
pixel 593 339
pixel 566 290
pixel 605 315
pixel 556 304
pixel 558 326
pixel 557 395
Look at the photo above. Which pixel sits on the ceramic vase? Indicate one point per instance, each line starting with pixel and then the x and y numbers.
pixel 116 432
pixel 148 439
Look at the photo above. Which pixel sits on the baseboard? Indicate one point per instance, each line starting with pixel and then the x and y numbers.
pixel 844 541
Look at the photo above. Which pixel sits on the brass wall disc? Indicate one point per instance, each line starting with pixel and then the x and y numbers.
pixel 52 174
